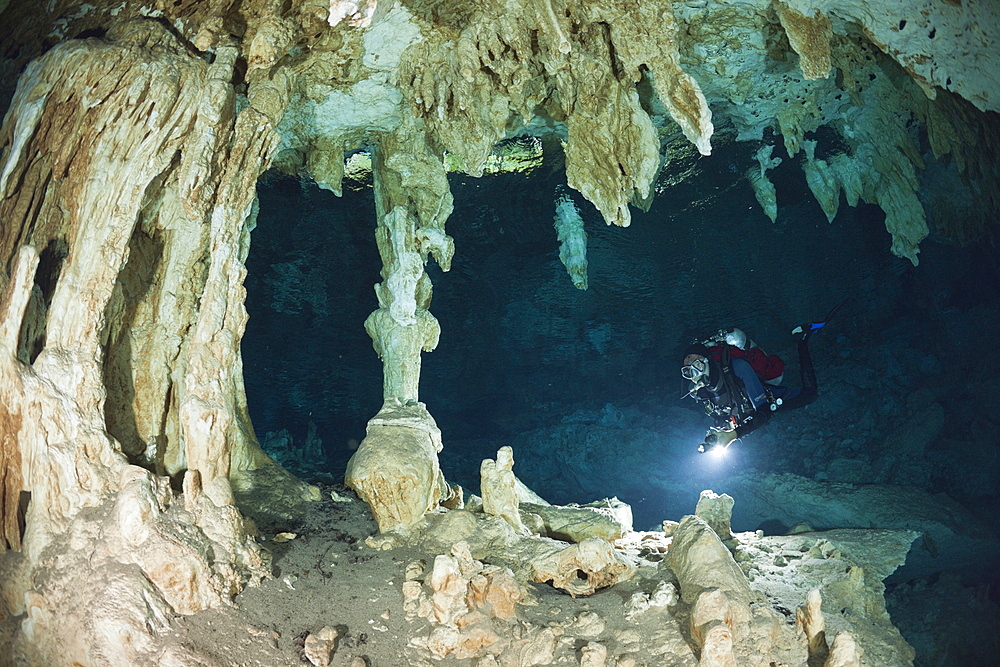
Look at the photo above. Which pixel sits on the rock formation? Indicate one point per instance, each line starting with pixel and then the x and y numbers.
pixel 733 610
pixel 396 468
pixel 132 141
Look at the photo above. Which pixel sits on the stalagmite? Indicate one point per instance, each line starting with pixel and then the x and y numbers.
pixel 717 511
pixel 711 627
pixel 396 470
pixel 702 562
pixel 809 619
pixel 844 652
pixel 499 488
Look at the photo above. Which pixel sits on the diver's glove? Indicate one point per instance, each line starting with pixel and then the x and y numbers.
pixel 717 439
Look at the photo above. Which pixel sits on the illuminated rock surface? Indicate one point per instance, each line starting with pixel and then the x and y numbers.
pixel 134 139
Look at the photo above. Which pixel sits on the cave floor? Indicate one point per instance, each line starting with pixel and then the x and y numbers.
pixel 327 576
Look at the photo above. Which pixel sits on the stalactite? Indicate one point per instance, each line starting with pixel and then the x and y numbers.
pixel 810 37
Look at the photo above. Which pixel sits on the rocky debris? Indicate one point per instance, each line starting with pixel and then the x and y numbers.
pixel 665 596
pixel 471 605
pixel 319 646
pixel 579 569
pixel 593 654
pixel 759 602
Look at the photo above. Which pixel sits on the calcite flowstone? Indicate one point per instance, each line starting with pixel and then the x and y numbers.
pixel 581 569
pixel 702 562
pixel 396 469
pixel 108 586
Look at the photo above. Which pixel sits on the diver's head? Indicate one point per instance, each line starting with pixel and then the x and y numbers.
pixel 696 367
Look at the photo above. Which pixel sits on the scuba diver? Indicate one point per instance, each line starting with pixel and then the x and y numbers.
pixel 738 382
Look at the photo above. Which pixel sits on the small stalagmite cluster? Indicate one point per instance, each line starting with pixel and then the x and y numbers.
pixel 133 138
pixel 695 594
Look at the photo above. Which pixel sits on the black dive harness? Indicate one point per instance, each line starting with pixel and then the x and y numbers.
pixel 727 402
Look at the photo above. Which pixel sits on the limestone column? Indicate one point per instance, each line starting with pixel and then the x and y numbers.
pixel 84 151
pixel 103 137
pixel 213 384
pixel 395 469
pixel 412 201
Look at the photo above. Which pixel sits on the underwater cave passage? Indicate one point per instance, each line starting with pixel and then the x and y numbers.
pixel 583 384
pixel 312 377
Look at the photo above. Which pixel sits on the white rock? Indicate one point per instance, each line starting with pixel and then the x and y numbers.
pixel 319 646
pixel 593 654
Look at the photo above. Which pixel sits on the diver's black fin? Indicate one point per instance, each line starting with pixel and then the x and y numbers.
pixel 804 331
pixel 833 312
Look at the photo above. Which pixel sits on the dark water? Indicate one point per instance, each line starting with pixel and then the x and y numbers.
pixel 520 345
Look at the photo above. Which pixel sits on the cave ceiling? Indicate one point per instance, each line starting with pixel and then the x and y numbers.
pixel 862 99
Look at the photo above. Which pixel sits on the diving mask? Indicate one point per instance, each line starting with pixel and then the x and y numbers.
pixel 696 372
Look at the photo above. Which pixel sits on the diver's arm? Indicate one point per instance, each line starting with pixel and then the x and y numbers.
pixel 753 421
pixel 724 433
